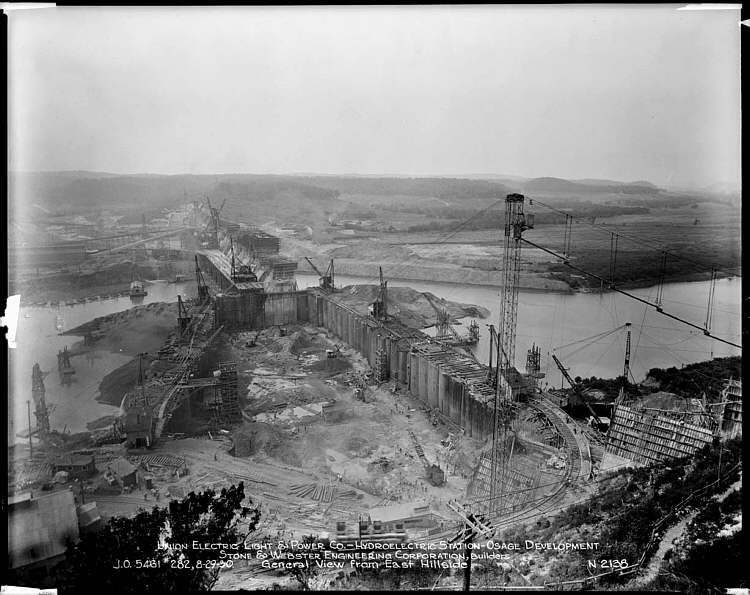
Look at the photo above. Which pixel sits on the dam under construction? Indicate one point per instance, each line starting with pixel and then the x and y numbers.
pixel 336 408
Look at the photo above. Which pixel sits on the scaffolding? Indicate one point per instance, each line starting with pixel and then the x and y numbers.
pixel 533 365
pixel 381 365
pixel 226 406
pixel 505 393
pixel 647 436
pixel 64 366
pixel 41 411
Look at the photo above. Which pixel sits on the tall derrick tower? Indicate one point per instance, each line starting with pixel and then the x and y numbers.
pixel 41 411
pixel 515 224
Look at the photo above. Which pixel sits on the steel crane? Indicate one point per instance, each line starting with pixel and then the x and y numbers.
pixel 326 279
pixel 577 390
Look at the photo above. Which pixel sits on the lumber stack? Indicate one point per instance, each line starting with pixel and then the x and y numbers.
pixel 314 491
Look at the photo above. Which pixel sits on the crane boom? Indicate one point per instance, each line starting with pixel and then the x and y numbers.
pixel 326 279
pixel 564 372
pixel 314 267
pixel 202 287
pixel 626 368
pixel 576 388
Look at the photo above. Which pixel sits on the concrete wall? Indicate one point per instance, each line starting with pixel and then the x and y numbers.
pixel 259 310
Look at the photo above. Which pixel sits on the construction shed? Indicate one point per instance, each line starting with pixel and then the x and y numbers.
pixel 40 527
pixel 399 517
pixel 123 471
pixel 76 465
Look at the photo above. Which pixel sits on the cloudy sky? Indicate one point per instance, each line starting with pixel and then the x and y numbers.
pixel 626 93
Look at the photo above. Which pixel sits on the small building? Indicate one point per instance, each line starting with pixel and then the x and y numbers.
pixel 400 517
pixel 138 428
pixel 123 472
pixel 40 528
pixel 75 465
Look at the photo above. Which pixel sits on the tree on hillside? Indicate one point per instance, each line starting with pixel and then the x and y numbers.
pixel 305 575
pixel 98 563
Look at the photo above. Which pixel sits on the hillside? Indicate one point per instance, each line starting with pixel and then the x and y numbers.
pixel 620 518
pixel 340 214
pixel 558 185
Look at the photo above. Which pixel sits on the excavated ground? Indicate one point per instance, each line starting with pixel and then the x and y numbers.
pixel 303 426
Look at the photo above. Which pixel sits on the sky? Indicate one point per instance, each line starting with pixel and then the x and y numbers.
pixel 622 92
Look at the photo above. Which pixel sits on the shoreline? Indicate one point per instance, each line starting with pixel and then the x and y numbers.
pixel 687 278
pixel 72 297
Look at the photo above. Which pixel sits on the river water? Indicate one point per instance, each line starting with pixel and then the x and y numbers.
pixel 554 320
pixel 551 320
pixel 38 341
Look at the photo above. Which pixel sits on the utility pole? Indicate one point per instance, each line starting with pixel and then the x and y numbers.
pixel 31 445
pixel 83 498
pixel 144 397
pixel 474 525
pixel 626 368
pixel 468 540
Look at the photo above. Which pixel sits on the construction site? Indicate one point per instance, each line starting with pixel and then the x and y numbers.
pixel 335 408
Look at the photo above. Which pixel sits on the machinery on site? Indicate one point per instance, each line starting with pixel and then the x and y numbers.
pixel 533 365
pixel 209 236
pixel 183 320
pixel 579 396
pixel 379 308
pixel 506 377
pixel 203 293
pixel 64 367
pixel 41 409
pixel 333 353
pixel 446 334
pixel 326 279
pixel 137 291
pixel 240 272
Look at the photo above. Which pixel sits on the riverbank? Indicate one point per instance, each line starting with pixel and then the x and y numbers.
pixel 107 282
pixel 569 287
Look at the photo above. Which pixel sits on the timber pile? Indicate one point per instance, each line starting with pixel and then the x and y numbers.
pixel 314 491
pixel 347 495
pixel 158 460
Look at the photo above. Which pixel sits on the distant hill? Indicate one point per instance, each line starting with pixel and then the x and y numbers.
pixel 446 188
pixel 76 191
pixel 588 186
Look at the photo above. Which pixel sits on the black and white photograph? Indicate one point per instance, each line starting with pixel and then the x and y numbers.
pixel 374 298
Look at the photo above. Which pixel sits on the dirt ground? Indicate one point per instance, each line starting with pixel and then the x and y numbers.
pixel 413 308
pixel 309 452
pixel 301 410
pixel 313 448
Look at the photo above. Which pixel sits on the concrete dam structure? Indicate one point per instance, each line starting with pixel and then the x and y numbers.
pixel 447 381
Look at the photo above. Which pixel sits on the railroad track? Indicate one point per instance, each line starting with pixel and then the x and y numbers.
pixel 573 473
